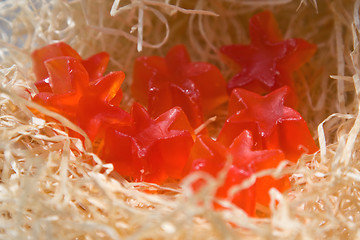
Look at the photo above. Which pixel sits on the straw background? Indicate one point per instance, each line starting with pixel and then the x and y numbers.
pixel 49 186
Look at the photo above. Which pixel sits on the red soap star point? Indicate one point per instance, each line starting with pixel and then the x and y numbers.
pixel 40 55
pixel 96 65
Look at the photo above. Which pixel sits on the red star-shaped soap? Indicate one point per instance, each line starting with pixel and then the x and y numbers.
pixel 151 150
pixel 69 82
pixel 245 154
pixel 162 83
pixel 274 125
pixel 76 88
pixel 210 156
pixel 95 65
pixel 268 62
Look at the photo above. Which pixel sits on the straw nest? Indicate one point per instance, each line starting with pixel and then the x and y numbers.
pixel 50 188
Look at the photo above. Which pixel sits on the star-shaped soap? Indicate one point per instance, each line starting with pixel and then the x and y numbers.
pixel 77 89
pixel 211 156
pixel 162 83
pixel 246 154
pixel 151 150
pixel 268 62
pixel 273 125
pixel 69 81
pixel 95 65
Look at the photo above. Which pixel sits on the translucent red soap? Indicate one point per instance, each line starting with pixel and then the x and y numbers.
pixel 63 78
pixel 150 150
pixel 162 83
pixel 268 62
pixel 211 156
pixel 272 123
pixel 95 65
